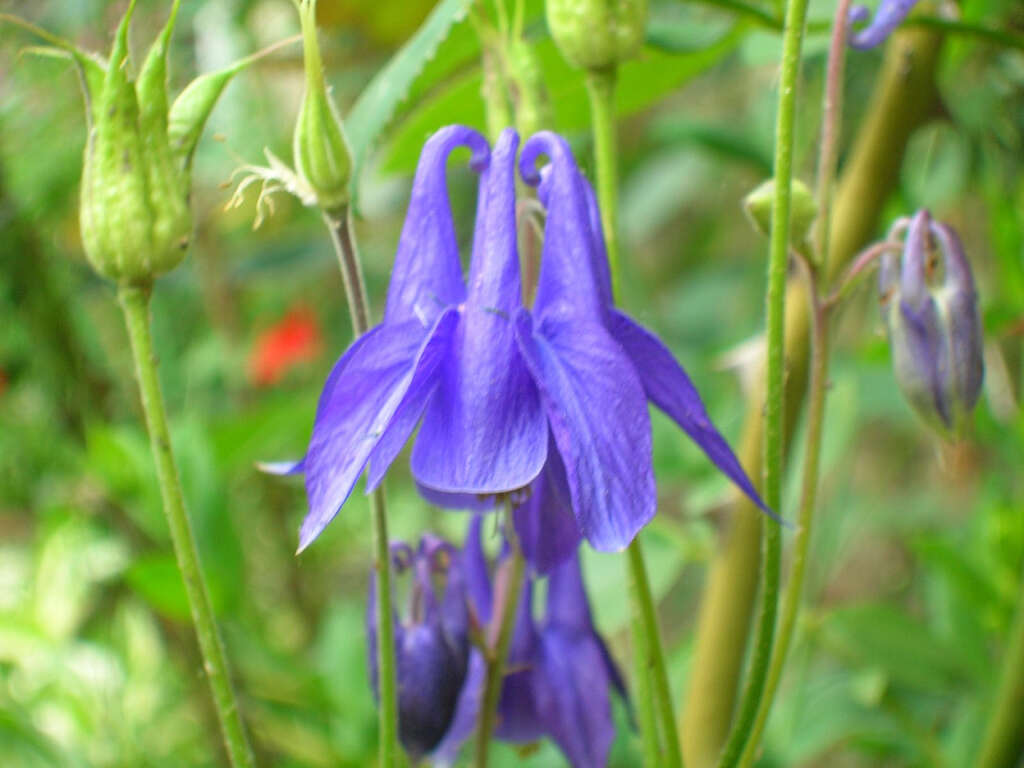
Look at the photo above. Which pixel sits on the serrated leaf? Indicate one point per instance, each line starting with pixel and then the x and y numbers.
pixel 641 82
pixel 376 106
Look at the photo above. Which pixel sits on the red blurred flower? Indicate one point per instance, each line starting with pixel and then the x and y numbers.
pixel 293 340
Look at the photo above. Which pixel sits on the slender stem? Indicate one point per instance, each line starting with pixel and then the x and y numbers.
pixel 1003 743
pixel 832 110
pixel 642 686
pixel 601 89
pixel 340 227
pixel 827 161
pixel 862 261
pixel 796 13
pixel 805 516
pixel 134 301
pixel 500 636
pixel 649 659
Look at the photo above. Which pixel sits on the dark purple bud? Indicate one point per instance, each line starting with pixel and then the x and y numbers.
pixel 931 311
pixel 431 642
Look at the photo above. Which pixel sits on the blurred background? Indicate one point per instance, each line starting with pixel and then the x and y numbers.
pixel 917 556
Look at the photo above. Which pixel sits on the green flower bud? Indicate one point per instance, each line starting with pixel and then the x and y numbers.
pixel 322 158
pixel 597 34
pixel 134 209
pixel 803 210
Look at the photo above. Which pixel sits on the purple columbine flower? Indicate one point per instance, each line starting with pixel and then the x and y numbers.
pixel 444 353
pixel 546 408
pixel 890 14
pixel 931 311
pixel 560 673
pixel 431 643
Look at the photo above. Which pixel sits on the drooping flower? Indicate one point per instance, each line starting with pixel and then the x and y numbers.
pixel 293 340
pixel 931 312
pixel 444 353
pixel 547 408
pixel 559 671
pixel 890 14
pixel 431 643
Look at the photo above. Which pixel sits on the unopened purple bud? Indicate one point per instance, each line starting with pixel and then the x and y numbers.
pixel 931 311
pixel 431 643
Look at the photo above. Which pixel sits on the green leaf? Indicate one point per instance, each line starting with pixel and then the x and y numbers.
pixel 641 82
pixel 882 636
pixel 377 104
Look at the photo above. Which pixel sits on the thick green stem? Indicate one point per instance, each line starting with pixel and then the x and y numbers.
pixel 508 592
pixel 904 98
pixel 601 89
pixel 339 225
pixel 649 658
pixel 1003 745
pixel 792 42
pixel 134 301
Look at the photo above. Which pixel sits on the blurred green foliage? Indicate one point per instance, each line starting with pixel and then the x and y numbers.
pixel 916 563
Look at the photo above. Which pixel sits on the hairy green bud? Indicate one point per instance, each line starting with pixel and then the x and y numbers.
pixel 134 207
pixel 597 34
pixel 321 155
pixel 803 210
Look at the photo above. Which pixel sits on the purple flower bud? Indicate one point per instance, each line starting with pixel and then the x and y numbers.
pixel 431 643
pixel 931 312
pixel 890 14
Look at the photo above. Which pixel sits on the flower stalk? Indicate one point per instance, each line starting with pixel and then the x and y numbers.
pixel 819 313
pixel 773 447
pixel 503 615
pixel 134 300
pixel 339 224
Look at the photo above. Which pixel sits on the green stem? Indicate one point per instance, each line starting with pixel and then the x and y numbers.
pixel 601 89
pixel 1003 743
pixel 497 649
pixel 340 227
pixel 805 516
pixel 649 658
pixel 134 301
pixel 642 694
pixel 792 41
pixel 832 110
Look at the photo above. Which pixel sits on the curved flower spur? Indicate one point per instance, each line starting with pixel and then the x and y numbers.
pixel 545 408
